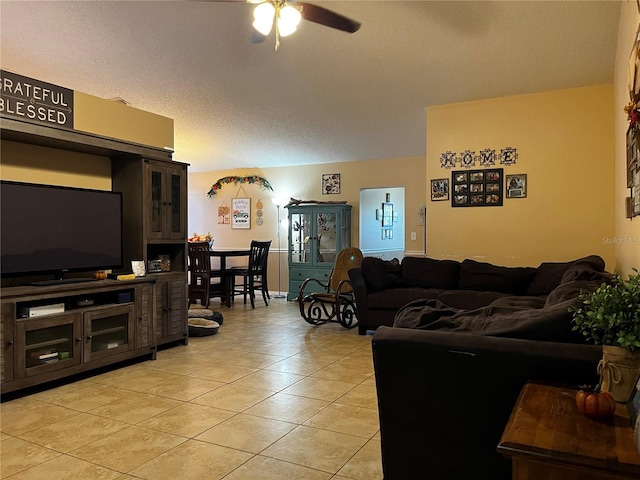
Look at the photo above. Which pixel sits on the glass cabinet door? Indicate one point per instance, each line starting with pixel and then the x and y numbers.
pixel 326 232
pixel 300 235
pixel 156 208
pixel 47 344
pixel 175 211
pixel 167 209
pixel 107 331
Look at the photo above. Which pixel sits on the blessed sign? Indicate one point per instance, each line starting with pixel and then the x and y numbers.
pixel 31 100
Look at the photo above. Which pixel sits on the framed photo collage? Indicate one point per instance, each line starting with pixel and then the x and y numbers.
pixel 477 188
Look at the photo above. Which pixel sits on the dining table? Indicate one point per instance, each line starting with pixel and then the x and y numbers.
pixel 225 273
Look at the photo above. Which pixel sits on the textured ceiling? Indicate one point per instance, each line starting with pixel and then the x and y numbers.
pixel 324 96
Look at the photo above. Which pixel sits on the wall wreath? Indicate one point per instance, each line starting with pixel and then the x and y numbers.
pixel 263 182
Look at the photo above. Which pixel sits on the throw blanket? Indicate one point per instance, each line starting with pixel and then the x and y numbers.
pixel 531 318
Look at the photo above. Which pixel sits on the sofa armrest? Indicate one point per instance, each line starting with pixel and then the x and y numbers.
pixel 359 291
pixel 445 398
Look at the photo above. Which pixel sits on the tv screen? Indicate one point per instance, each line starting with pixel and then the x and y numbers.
pixel 49 229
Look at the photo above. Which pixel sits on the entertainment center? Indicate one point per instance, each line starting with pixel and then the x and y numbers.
pixel 52 329
pixel 98 323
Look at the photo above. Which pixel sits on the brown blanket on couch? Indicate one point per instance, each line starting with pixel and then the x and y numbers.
pixel 531 318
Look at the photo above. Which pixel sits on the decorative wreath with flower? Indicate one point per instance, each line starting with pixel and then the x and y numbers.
pixel 633 114
pixel 236 180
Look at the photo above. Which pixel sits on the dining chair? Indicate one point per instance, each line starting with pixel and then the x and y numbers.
pixel 335 302
pixel 204 283
pixel 254 275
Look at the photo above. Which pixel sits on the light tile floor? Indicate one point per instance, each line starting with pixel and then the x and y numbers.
pixel 268 397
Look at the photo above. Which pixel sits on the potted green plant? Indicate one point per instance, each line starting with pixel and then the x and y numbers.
pixel 610 316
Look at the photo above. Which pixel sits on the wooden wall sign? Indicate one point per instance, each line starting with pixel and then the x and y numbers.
pixel 30 100
pixel 241 213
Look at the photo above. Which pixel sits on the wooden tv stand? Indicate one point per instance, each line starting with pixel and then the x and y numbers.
pixel 82 326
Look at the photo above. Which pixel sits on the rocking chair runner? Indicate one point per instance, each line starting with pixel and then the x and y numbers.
pixel 336 303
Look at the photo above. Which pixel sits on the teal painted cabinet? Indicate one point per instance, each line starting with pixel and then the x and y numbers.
pixel 317 232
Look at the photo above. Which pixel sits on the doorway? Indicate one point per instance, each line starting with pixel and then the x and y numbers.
pixel 382 222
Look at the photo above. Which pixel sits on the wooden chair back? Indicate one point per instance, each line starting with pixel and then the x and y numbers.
pixel 258 256
pixel 199 272
pixel 348 258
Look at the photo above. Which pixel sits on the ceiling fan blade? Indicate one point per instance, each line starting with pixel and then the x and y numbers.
pixel 257 37
pixel 325 17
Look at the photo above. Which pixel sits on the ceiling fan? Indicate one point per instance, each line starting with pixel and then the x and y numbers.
pixel 285 15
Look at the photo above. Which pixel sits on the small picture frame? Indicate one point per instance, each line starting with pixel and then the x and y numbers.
pixel 138 268
pixel 516 185
pixel 387 214
pixel 165 263
pixel 439 189
pixel 154 266
pixel 330 183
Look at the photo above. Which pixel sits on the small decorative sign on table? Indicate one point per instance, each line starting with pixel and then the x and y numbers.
pixel 154 266
pixel 138 268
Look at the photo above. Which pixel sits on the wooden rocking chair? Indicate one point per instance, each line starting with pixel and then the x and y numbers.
pixel 336 303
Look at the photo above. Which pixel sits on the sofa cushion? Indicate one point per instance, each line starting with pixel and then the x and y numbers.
pixel 570 290
pixel 381 274
pixel 528 301
pixel 430 273
pixel 487 277
pixel 469 299
pixel 548 276
pixel 587 268
pixel 395 298
pixel 551 323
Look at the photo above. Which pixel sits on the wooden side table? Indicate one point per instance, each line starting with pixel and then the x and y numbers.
pixel 548 438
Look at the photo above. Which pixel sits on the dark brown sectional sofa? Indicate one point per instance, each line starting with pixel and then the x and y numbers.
pixel 467 337
pixel 382 288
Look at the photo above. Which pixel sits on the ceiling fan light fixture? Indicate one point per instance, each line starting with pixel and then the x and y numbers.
pixel 288 20
pixel 263 15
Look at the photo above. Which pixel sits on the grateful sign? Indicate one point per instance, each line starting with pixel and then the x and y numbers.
pixel 31 100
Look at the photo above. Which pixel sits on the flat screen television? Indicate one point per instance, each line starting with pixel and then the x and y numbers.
pixel 48 229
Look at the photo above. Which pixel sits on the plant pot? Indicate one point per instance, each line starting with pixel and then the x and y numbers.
pixel 619 370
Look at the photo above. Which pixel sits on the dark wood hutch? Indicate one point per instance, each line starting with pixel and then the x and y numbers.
pixel 105 321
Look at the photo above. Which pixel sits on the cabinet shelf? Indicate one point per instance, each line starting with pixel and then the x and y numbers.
pixel 48 343
pixel 107 331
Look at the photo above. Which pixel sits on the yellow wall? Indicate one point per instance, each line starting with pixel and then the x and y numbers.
pixel 30 163
pixel 627 231
pixel 116 120
pixel 302 182
pixel 565 144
